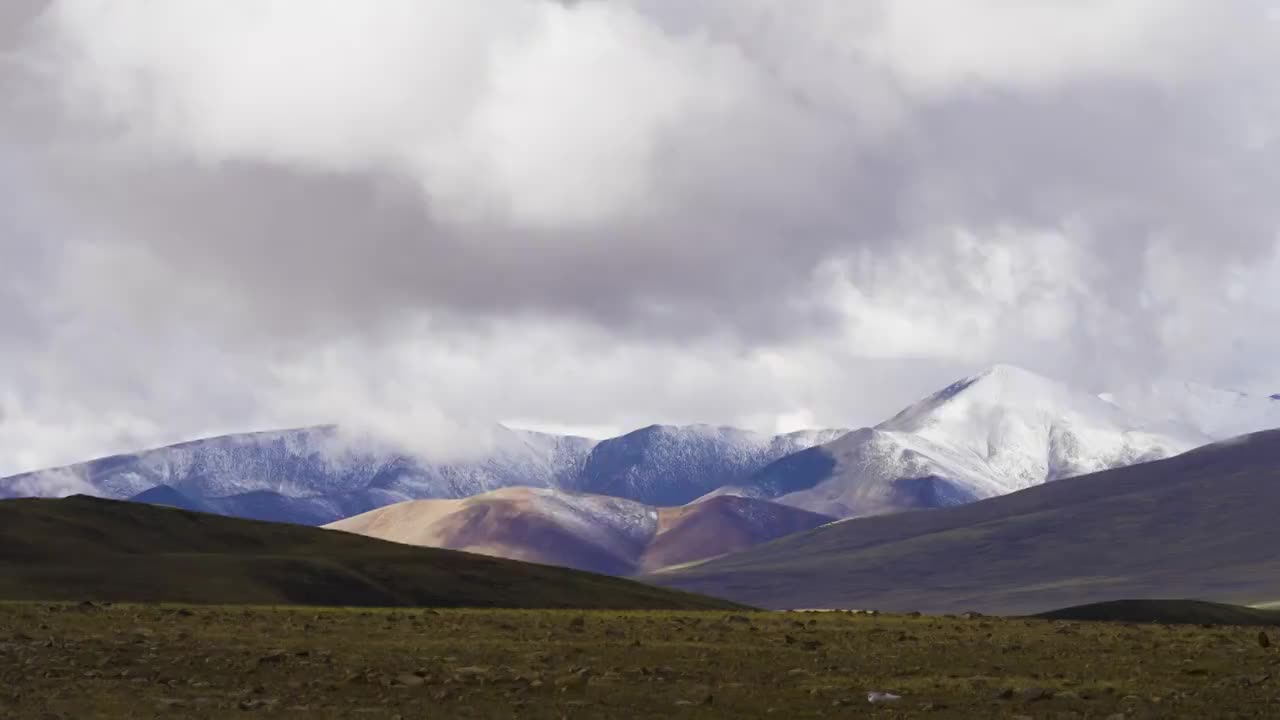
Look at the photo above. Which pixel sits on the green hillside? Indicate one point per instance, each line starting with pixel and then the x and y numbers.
pixel 85 548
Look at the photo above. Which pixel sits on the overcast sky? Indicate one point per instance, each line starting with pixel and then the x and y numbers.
pixel 224 216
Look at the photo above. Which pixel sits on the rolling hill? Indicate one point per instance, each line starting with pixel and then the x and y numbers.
pixel 588 532
pixel 1201 525
pixel 83 548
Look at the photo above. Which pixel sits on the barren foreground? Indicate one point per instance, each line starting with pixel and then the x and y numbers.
pixel 70 661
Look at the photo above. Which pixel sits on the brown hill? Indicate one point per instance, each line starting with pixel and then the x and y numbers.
pixel 587 532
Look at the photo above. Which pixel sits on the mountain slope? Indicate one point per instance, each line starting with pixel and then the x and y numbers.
pixel 1000 431
pixel 1200 525
pixel 587 532
pixel 667 465
pixel 85 548
pixel 720 526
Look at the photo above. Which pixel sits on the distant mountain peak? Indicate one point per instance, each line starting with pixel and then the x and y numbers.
pixel 1006 388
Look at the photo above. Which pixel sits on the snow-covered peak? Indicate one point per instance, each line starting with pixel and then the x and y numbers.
pixel 985 408
pixel 1024 428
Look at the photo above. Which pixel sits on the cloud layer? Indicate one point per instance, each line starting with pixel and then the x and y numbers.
pixel 223 216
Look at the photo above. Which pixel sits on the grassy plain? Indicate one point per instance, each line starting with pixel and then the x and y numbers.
pixel 133 661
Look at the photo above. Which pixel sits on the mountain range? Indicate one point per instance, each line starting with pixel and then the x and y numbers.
pixel 984 436
pixel 320 474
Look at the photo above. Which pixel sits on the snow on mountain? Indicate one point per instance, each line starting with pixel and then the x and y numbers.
pixel 319 474
pixel 994 433
pixel 588 532
pixel 316 462
pixel 1028 429
pixel 1210 411
pixel 673 465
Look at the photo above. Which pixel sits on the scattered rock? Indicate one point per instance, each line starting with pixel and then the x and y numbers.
pixel 1005 694
pixel 579 623
pixel 409 680
pixel 275 657
pixel 876 697
pixel 1263 640
pixel 170 704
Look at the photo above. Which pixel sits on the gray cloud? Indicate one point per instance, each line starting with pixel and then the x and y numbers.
pixel 603 214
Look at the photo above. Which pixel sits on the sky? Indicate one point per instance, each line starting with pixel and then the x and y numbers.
pixel 422 216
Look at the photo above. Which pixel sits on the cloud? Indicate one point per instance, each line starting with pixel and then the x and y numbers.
pixel 220 216
pixel 58 483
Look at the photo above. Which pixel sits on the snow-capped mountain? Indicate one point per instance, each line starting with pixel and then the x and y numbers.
pixel 589 532
pixel 314 474
pixel 319 474
pixel 994 433
pixel 668 465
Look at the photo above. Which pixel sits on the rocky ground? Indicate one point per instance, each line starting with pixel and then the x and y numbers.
pixel 93 661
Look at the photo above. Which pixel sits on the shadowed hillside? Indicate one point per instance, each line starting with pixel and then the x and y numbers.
pixel 85 548
pixel 1200 525
pixel 1169 612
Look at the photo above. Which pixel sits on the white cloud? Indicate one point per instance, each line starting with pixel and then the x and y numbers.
pixel 412 214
